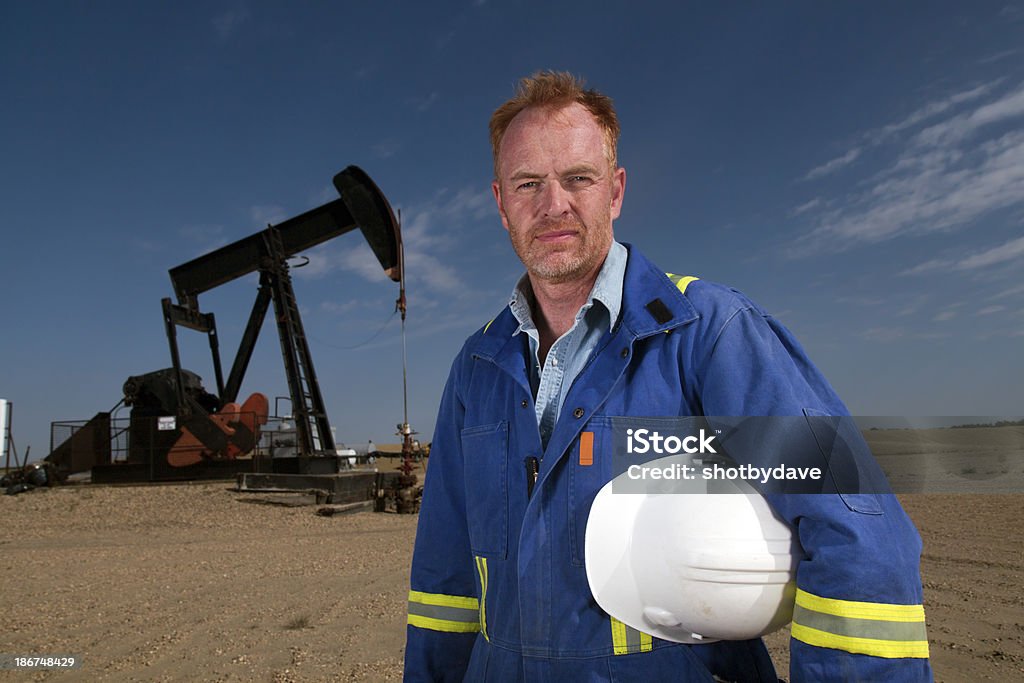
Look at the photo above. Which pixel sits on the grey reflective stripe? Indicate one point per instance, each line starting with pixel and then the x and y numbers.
pixel 627 640
pixel 632 639
pixel 860 628
pixel 469 616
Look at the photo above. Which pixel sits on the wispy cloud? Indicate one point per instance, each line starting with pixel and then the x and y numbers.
pixel 861 300
pixel 337 308
pixel 425 103
pixel 429 237
pixel 385 149
pixel 441 40
pixel 227 23
pixel 327 193
pixel 806 206
pixel 882 334
pixel 205 237
pixel 834 165
pixel 1019 289
pixel 1011 13
pixel 959 127
pixel 998 57
pixel 1005 252
pixel 888 335
pixel 1008 251
pixel 354 256
pixel 928 267
pixel 949 311
pixel 263 215
pixel 951 162
pixel 931 110
pixel 147 245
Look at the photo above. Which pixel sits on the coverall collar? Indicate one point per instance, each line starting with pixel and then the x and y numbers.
pixel 644 283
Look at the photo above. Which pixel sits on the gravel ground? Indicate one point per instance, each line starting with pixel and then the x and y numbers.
pixel 195 582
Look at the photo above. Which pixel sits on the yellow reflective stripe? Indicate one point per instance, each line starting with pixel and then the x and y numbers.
pixel 439 612
pixel 619 646
pixel 681 281
pixel 443 624
pixel 684 282
pixel 481 567
pixel 851 609
pixel 890 649
pixel 488 325
pixel 627 640
pixel 459 601
pixel 849 621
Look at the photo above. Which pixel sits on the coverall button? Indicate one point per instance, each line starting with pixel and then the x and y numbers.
pixel 524 404
pixel 625 351
pixel 578 413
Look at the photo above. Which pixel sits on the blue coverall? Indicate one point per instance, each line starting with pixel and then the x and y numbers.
pixel 499 588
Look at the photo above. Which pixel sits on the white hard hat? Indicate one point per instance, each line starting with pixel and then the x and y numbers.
pixel 712 564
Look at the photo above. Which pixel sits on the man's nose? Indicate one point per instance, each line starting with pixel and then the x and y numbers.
pixel 555 200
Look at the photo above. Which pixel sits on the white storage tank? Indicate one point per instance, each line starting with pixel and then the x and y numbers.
pixel 5 429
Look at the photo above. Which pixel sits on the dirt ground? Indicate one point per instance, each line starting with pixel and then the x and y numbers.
pixel 195 582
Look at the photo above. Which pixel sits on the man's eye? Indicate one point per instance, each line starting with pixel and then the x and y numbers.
pixel 528 185
pixel 578 180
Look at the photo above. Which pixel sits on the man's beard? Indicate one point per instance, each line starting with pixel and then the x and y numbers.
pixel 557 262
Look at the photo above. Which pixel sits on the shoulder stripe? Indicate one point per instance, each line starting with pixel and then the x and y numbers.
pixel 488 325
pixel 681 281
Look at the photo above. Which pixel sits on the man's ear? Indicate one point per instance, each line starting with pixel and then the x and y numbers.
pixel 496 189
pixel 618 191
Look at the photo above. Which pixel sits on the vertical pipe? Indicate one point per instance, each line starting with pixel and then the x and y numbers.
pixel 5 428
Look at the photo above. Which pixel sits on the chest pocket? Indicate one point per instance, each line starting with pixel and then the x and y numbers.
pixel 485 462
pixel 590 468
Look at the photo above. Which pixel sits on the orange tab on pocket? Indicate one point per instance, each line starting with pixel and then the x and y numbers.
pixel 586 448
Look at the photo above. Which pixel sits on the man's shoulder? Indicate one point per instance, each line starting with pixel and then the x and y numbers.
pixel 710 296
pixel 703 294
pixel 678 296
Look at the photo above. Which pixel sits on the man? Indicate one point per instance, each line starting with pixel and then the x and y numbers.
pixel 595 330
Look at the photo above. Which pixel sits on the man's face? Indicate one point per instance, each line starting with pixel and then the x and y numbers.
pixel 557 192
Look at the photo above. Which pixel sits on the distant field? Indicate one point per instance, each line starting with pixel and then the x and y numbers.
pixel 976 460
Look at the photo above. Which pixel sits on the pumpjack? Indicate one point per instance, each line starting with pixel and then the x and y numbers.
pixel 178 429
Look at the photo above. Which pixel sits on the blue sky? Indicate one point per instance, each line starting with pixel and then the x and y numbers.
pixel 856 168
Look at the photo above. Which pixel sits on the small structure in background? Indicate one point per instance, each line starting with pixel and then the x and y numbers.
pixel 5 433
pixel 23 476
